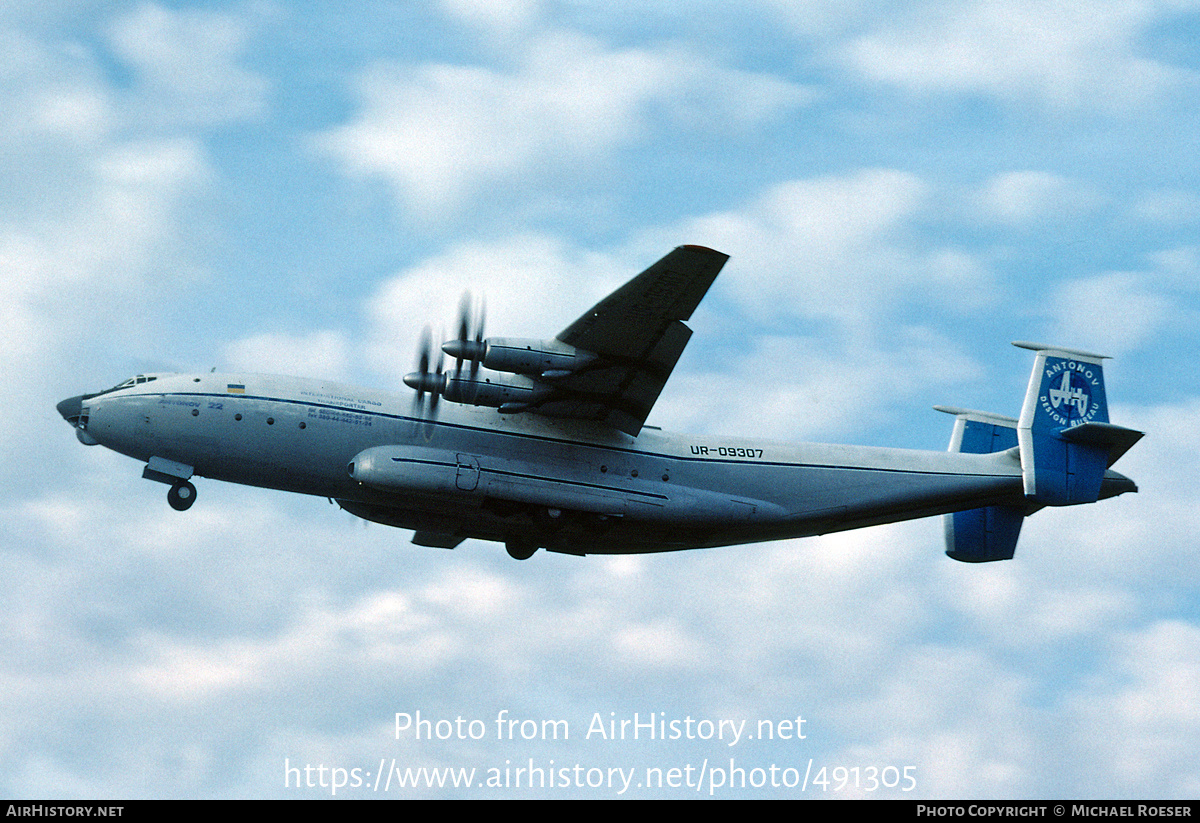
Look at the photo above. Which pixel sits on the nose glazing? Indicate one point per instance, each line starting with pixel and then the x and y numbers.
pixel 71 408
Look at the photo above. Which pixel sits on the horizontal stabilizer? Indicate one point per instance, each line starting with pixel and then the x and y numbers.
pixel 977 432
pixel 1116 439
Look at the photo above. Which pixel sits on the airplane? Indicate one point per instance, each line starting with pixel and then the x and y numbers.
pixel 548 448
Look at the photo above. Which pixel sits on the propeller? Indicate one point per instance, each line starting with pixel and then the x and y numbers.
pixel 430 379
pixel 467 346
pixel 426 382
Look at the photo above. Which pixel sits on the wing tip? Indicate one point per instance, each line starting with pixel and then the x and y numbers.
pixel 702 249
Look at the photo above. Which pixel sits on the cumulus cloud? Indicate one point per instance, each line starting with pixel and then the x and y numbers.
pixel 1179 266
pixel 842 248
pixel 187 64
pixel 1168 207
pixel 531 286
pixel 1025 197
pixel 1058 54
pixel 1140 722
pixel 1152 534
pixel 52 93
pixel 1111 313
pixel 94 210
pixel 842 251
pixel 498 16
pixel 68 281
pixel 805 388
pixel 439 134
pixel 315 354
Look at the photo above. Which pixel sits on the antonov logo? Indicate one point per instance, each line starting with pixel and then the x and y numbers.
pixel 1068 398
pixel 1077 397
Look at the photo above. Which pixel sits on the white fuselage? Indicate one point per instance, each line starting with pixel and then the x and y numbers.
pixel 570 486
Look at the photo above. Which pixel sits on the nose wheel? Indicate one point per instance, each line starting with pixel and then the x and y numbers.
pixel 182 496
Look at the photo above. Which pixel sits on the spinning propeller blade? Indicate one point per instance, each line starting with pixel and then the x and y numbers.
pixel 424 381
pixel 464 348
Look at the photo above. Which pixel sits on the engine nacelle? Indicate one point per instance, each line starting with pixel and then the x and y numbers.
pixel 409 469
pixel 549 358
pixel 439 471
pixel 495 394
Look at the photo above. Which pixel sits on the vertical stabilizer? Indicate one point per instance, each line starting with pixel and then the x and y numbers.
pixel 990 533
pixel 1063 440
pixel 1066 392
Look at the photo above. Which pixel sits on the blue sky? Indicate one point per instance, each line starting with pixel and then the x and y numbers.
pixel 903 190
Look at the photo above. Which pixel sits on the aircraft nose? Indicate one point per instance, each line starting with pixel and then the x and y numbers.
pixel 71 408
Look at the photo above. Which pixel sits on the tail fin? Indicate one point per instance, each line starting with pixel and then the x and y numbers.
pixel 1065 444
pixel 990 533
pixel 1064 435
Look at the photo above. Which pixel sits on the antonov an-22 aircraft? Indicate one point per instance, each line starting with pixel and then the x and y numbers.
pixel 568 465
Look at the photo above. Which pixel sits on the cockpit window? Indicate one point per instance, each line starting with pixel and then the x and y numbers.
pixel 133 381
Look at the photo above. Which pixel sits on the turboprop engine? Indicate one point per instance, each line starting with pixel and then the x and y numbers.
pixel 547 359
pixel 538 365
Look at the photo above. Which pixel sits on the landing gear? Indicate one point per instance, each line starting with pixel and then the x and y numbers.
pixel 520 549
pixel 182 496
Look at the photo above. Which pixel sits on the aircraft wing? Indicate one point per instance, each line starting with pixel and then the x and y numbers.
pixel 638 334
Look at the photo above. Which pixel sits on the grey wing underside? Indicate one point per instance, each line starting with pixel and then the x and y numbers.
pixel 639 334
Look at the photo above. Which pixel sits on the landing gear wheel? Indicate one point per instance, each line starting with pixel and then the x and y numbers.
pixel 182 496
pixel 520 549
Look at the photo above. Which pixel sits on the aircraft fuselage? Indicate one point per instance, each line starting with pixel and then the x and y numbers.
pixel 566 485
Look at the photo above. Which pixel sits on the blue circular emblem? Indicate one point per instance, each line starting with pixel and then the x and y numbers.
pixel 1068 398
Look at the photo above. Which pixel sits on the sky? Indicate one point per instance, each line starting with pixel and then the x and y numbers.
pixel 300 188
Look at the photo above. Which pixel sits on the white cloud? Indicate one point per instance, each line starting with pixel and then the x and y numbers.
pixel 124 223
pixel 1180 266
pixel 1153 533
pixel 1060 54
pixel 1023 197
pixel 819 18
pixel 1014 601
pixel 316 354
pixel 499 16
pixel 842 248
pixel 662 644
pixel 69 283
pixel 51 92
pixel 807 389
pixel 97 189
pixel 147 652
pixel 188 67
pixel 1139 724
pixel 317 619
pixel 1110 313
pixel 938 708
pixel 441 134
pixel 531 285
pixel 833 249
pixel 1168 207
